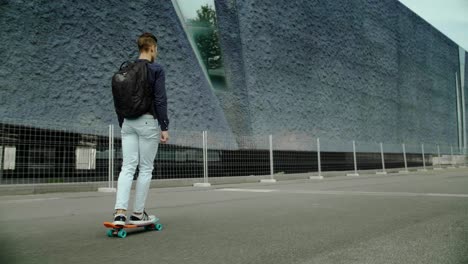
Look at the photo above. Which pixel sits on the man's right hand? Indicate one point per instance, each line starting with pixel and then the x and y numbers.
pixel 164 137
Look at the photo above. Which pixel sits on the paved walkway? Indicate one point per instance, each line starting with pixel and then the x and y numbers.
pixel 416 218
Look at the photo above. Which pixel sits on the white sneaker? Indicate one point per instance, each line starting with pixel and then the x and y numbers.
pixel 119 219
pixel 141 219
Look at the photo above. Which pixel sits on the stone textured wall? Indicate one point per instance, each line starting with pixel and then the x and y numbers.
pixel 366 70
pixel 235 98
pixel 58 58
pixel 466 88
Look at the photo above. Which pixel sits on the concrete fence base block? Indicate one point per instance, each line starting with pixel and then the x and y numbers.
pixel 451 167
pixel 438 168
pixel 202 184
pixel 352 174
pixel 268 180
pixel 107 190
pixel 319 177
pixel 381 173
pixel 462 167
pixel 403 172
pixel 422 170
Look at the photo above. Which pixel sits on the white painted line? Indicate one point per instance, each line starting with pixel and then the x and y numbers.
pixel 202 184
pixel 395 194
pixel 268 180
pixel 246 190
pixel 107 190
pixel 447 195
pixel 28 200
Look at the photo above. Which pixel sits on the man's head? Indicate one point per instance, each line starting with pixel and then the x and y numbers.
pixel 148 46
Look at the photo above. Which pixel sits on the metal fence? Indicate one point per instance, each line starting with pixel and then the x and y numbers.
pixel 31 154
pixel 39 153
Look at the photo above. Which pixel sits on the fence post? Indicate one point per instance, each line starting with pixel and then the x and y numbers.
pixel 113 157
pixel 463 153
pixel 205 182
pixel 206 158
pixel 110 175
pixel 404 159
pixel 319 163
pixel 2 147
pixel 1 163
pixel 271 162
pixel 383 160
pixel 355 161
pixel 452 164
pixel 423 159
pixel 439 159
pixel 464 157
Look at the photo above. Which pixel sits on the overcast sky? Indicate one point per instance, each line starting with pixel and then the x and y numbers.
pixel 448 16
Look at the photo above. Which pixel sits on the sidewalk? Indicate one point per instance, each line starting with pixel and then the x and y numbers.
pixel 416 218
pixel 39 188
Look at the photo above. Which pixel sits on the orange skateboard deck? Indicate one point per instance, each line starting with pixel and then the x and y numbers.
pixel 119 230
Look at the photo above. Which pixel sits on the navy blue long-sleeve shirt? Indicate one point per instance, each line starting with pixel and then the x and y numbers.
pixel 157 82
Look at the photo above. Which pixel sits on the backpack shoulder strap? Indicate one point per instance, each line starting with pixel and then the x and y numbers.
pixel 126 63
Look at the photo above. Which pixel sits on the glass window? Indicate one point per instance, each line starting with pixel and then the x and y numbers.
pixel 200 22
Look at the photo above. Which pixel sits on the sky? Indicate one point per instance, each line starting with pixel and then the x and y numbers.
pixel 449 16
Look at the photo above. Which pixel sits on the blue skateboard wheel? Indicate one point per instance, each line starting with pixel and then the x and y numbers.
pixel 158 227
pixel 110 233
pixel 122 233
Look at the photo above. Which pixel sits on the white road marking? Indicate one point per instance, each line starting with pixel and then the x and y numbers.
pixel 447 195
pixel 246 190
pixel 396 194
pixel 28 200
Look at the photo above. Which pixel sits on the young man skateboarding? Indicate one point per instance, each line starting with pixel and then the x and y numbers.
pixel 138 102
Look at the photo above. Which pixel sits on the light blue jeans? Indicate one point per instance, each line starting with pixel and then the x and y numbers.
pixel 140 138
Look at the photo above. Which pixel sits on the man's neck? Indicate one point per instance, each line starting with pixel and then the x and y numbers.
pixel 144 56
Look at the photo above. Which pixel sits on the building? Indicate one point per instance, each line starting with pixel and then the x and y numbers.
pixel 361 70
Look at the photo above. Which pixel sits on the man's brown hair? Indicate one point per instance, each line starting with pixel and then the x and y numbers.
pixel 145 41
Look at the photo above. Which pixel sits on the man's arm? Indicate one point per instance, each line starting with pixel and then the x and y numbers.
pixel 121 119
pixel 160 99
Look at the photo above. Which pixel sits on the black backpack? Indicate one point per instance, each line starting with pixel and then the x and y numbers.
pixel 131 90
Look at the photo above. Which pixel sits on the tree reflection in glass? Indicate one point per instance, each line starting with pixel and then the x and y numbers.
pixel 203 29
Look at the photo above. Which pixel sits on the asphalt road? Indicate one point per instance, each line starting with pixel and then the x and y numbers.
pixel 416 218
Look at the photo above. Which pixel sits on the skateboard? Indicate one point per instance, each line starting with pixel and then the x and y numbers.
pixel 119 230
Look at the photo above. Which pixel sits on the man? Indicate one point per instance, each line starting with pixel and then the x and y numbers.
pixel 140 138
